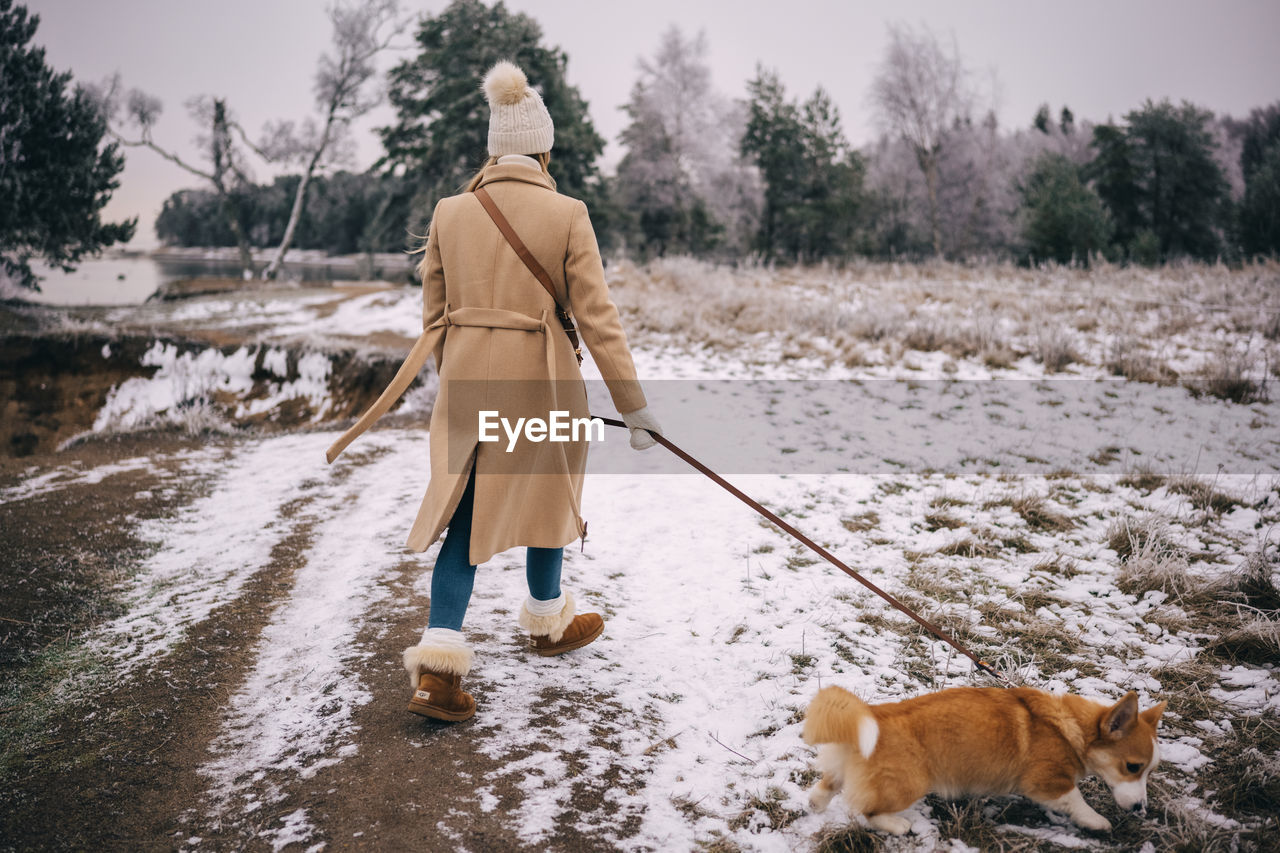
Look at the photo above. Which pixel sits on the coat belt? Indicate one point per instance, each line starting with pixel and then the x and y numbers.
pixel 488 318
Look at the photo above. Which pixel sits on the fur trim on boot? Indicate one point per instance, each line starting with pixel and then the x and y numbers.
pixel 449 658
pixel 564 631
pixel 552 626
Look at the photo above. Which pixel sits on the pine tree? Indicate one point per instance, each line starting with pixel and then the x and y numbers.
pixel 1260 209
pixel 1063 218
pixel 834 174
pixel 1041 120
pixel 1114 176
pixel 1259 216
pixel 772 139
pixel 1166 193
pixel 1261 132
pixel 441 135
pixel 813 182
pixel 1067 121
pixel 55 175
pixel 1185 195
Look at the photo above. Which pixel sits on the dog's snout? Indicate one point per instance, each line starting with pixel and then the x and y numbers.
pixel 1139 808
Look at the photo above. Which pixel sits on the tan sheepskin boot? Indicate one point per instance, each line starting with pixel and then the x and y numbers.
pixel 436 666
pixel 561 631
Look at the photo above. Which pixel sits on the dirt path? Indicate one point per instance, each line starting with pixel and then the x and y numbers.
pixel 123 762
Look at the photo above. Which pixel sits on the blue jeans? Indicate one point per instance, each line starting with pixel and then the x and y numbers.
pixel 453 577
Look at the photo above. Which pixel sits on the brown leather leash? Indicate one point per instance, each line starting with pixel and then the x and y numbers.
pixel 822 552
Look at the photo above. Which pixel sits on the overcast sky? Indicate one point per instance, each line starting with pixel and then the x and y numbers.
pixel 1100 57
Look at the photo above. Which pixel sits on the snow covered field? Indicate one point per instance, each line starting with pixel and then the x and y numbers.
pixel 1111 554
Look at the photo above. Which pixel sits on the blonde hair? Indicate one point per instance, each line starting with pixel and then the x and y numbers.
pixel 544 160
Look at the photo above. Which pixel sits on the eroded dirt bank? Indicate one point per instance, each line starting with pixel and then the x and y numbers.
pixel 61 381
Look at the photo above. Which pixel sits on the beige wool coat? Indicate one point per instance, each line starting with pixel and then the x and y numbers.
pixel 498 346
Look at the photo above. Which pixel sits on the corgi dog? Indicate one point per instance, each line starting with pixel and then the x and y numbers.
pixel 978 741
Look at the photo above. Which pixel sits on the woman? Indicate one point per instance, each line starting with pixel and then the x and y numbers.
pixel 499 348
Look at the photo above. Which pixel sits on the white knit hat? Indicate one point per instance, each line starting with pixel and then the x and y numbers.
pixel 518 121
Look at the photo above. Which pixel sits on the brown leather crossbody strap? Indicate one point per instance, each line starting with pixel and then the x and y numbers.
pixel 531 262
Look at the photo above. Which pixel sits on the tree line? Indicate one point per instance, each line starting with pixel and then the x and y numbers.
pixel 765 175
pixel 773 176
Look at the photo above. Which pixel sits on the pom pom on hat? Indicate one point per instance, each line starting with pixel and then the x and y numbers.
pixel 518 120
pixel 505 85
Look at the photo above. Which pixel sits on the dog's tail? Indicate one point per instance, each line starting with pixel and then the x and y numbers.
pixel 837 716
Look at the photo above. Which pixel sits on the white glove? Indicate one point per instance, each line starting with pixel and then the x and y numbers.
pixel 639 421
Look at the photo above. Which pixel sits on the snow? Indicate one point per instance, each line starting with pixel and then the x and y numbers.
pixel 296 829
pixel 288 315
pixel 188 382
pixel 293 712
pixel 719 628
pixel 396 311
pixel 211 548
pixel 62 476
pixel 716 637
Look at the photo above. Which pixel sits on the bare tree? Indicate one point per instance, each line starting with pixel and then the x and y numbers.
pixel 921 91
pixel 227 171
pixel 361 30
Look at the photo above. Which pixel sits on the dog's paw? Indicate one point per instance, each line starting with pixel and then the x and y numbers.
pixel 1093 821
pixel 820 798
pixel 890 823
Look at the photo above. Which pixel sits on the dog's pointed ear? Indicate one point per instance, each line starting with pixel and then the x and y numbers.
pixel 1152 715
pixel 1119 719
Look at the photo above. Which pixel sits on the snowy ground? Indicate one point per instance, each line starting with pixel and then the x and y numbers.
pixel 679 728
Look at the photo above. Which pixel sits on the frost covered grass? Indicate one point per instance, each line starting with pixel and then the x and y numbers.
pixel 1153 325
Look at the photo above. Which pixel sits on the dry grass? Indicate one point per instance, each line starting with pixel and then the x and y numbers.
pixel 1255 641
pixel 977 821
pixel 1203 495
pixel 861 522
pixel 769 810
pixel 1065 567
pixel 1253 584
pixel 1246 775
pixel 1035 511
pixel 1142 478
pixel 1150 561
pixel 941 521
pixel 996 314
pixel 1128 535
pixel 1231 375
pixel 1054 348
pixel 1132 360
pixel 849 839
pixel 1248 603
pixel 965 546
pixel 1241 611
